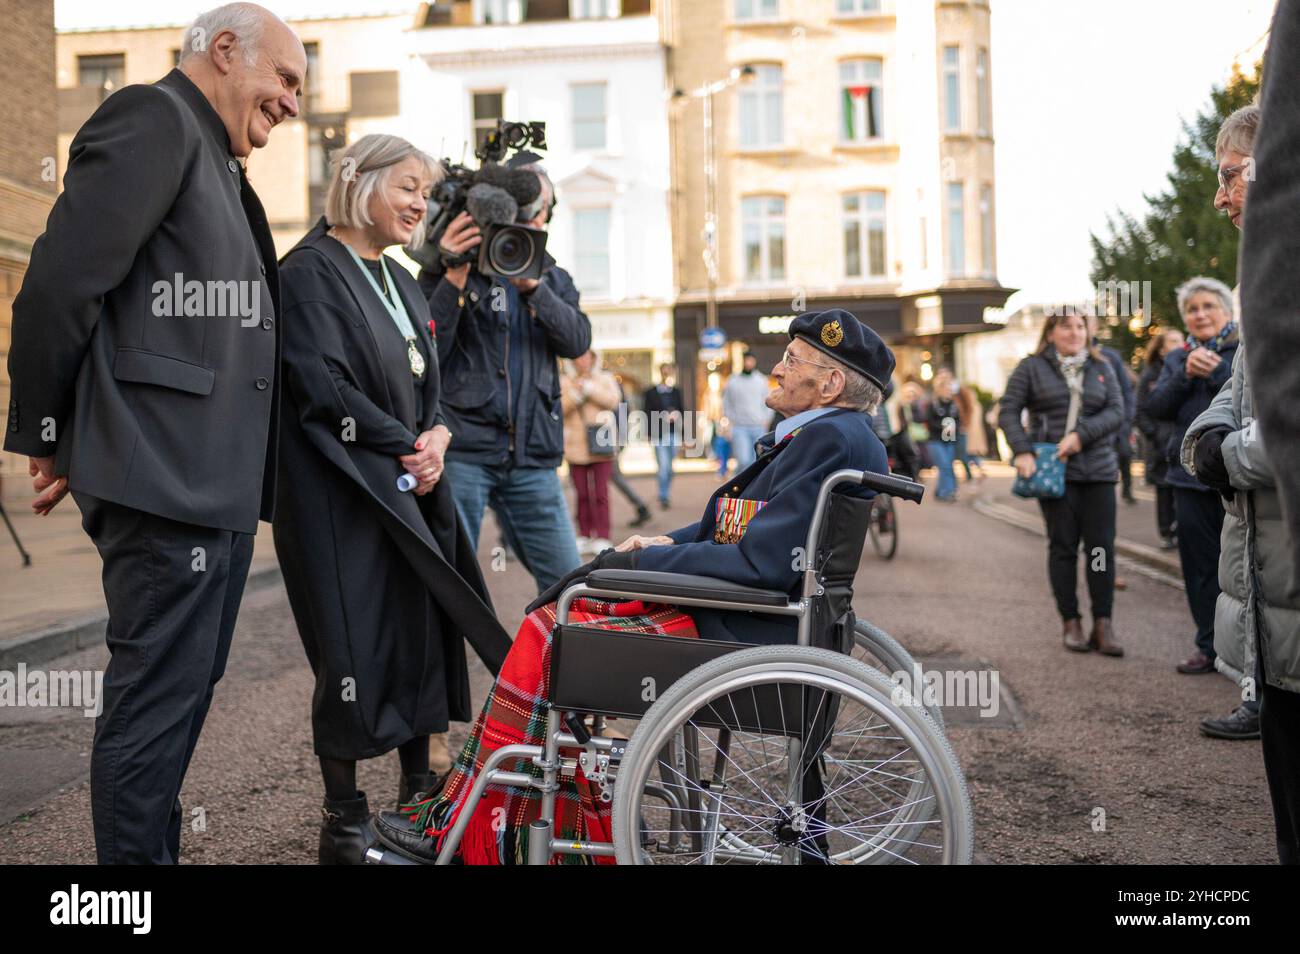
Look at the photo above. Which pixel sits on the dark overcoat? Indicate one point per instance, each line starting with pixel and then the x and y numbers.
pixel 384 586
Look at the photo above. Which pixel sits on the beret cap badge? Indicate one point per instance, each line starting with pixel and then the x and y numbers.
pixel 832 334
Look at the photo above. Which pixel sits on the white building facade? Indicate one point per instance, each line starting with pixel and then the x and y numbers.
pixel 597 81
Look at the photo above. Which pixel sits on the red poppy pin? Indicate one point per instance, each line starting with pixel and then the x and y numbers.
pixel 433 328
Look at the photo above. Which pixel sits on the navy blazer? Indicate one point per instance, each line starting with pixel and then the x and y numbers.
pixel 786 477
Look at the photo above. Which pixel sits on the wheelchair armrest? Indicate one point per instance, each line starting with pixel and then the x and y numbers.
pixel 668 585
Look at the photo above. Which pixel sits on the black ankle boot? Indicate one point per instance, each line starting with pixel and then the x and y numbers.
pixel 418 783
pixel 346 831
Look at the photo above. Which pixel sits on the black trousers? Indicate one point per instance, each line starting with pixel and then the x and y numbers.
pixel 618 480
pixel 1124 450
pixel 1085 514
pixel 1165 516
pixel 1200 520
pixel 173 592
pixel 1279 731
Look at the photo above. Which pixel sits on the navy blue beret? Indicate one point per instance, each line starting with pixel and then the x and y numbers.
pixel 840 335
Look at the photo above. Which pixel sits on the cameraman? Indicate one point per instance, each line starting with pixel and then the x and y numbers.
pixel 498 343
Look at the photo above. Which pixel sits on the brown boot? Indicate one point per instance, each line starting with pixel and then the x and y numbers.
pixel 1103 638
pixel 1074 636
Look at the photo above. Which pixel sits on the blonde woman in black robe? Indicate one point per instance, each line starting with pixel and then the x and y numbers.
pixel 383 583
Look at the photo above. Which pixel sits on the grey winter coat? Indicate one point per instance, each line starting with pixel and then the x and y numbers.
pixel 1255 560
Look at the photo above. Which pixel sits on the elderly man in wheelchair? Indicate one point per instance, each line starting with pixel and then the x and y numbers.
pixel 758 738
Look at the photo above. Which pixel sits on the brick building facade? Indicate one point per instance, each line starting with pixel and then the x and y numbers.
pixel 28 172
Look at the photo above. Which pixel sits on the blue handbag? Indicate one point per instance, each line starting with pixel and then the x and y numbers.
pixel 1048 479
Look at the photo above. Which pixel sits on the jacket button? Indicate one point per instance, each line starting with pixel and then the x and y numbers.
pixel 263 384
pixel 473 296
pixel 232 165
pixel 268 324
pixel 501 372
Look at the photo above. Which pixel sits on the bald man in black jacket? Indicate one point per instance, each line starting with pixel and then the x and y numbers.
pixel 144 378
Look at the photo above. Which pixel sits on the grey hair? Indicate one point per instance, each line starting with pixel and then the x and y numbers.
pixel 246 20
pixel 1203 284
pixel 859 393
pixel 1238 132
pixel 545 198
pixel 361 169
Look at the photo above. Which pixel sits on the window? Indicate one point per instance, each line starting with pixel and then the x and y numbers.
pixel 501 11
pixel 851 7
pixel 951 89
pixel 956 229
pixel 176 57
pixel 861 100
pixel 986 228
pixel 593 9
pixel 105 73
pixel 591 250
pixel 763 231
pixel 760 109
pixel 488 109
pixel 864 235
pixel 984 102
pixel 757 9
pixel 588 115
pixel 311 91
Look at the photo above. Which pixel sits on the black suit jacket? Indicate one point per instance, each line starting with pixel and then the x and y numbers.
pixel 653 402
pixel 170 413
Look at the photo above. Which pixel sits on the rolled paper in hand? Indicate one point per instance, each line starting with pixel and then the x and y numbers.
pixel 406 483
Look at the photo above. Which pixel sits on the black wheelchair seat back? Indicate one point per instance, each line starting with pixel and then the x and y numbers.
pixel 839 552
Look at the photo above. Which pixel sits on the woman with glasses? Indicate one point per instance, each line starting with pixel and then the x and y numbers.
pixel 1190 378
pixel 1073 400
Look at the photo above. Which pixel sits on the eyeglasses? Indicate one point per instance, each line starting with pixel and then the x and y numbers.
pixel 1229 176
pixel 787 359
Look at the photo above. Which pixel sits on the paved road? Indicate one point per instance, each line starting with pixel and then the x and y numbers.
pixel 1076 734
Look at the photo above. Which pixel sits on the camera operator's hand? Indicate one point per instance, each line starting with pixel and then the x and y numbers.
pixel 524 285
pixel 461 236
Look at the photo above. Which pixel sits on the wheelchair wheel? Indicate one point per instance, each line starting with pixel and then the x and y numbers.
pixel 883 528
pixel 879 650
pixel 803 758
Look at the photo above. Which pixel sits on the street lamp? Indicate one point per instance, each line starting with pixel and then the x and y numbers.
pixel 705 93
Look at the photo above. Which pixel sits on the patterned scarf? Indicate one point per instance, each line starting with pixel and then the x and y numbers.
pixel 1072 368
pixel 1217 342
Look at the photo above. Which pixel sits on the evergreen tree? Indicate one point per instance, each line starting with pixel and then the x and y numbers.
pixel 1182 234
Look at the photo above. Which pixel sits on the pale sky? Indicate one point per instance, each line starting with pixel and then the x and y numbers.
pixel 1088 100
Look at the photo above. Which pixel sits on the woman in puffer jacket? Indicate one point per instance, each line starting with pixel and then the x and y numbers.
pixel 1073 399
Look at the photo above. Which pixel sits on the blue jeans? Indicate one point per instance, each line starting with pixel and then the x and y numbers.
pixel 943 455
pixel 664 454
pixel 743 440
pixel 530 505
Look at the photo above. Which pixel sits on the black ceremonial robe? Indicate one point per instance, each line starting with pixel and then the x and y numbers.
pixel 383 584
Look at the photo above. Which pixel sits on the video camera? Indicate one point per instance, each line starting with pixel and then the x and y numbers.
pixel 494 195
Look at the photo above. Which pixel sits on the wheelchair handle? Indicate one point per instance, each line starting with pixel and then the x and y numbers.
pixel 894 485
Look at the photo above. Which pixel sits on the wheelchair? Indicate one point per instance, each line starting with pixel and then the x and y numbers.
pixel 776 754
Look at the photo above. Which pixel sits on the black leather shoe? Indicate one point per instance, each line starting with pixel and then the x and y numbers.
pixel 423 784
pixel 346 831
pixel 1241 723
pixel 404 836
pixel 642 517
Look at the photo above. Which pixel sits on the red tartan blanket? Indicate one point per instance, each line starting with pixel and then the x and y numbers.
pixel 515 713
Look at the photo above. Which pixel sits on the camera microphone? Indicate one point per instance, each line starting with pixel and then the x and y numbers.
pixel 490 205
